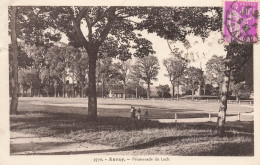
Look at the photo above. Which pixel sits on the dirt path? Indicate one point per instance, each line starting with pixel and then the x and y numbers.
pixel 32 144
pixel 29 144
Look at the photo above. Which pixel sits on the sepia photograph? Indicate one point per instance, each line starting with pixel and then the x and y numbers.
pixel 132 81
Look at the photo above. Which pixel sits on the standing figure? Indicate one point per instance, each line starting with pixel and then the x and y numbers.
pixel 132 112
pixel 146 115
pixel 139 114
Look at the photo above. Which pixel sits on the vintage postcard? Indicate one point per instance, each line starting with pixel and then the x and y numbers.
pixel 129 82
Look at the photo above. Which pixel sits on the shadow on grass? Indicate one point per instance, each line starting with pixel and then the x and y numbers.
pixel 152 143
pixel 151 107
pixel 33 147
pixel 67 122
pixel 231 149
pixel 226 149
pixel 154 112
pixel 60 124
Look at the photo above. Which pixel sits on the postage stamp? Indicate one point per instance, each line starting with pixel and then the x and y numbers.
pixel 240 21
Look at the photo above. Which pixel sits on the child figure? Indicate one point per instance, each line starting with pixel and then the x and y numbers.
pixel 139 114
pixel 146 115
pixel 132 112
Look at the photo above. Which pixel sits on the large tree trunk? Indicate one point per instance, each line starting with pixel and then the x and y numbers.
pixel 92 94
pixel 92 50
pixel 14 101
pixel 224 92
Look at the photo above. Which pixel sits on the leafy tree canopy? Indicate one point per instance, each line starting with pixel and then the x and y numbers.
pixel 108 28
pixel 146 69
pixel 193 76
pixel 174 23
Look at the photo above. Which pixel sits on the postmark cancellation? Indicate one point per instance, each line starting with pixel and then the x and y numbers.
pixel 240 21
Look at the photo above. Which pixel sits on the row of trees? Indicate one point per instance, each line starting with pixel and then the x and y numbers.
pixel 209 82
pixel 45 71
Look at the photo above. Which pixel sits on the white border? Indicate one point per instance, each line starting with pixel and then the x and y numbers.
pixel 6 159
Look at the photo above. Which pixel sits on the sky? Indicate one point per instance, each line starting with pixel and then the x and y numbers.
pixel 205 50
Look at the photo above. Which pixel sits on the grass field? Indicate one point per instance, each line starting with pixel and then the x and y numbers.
pixel 158 109
pixel 66 118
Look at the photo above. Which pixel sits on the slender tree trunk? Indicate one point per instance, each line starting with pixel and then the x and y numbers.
pixel 103 91
pixel 102 86
pixel 192 94
pixel 136 96
pixel 199 89
pixel 38 86
pixel 92 94
pixel 173 92
pixel 237 98
pixel 124 90
pixel 23 92
pixel 178 91
pixel 73 90
pixel 64 83
pixel 31 91
pixel 14 101
pixel 224 92
pixel 55 91
pixel 82 92
pixel 148 91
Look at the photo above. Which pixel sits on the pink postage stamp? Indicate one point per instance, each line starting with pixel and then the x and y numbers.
pixel 240 21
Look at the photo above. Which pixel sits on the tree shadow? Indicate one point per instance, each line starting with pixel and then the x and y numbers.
pixel 67 119
pixel 151 143
pixel 226 149
pixel 231 149
pixel 150 107
pixel 33 147
pixel 50 120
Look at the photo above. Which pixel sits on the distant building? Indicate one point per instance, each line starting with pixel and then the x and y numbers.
pixel 116 93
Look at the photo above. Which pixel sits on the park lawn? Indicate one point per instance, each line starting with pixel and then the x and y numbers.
pixel 158 109
pixel 145 137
